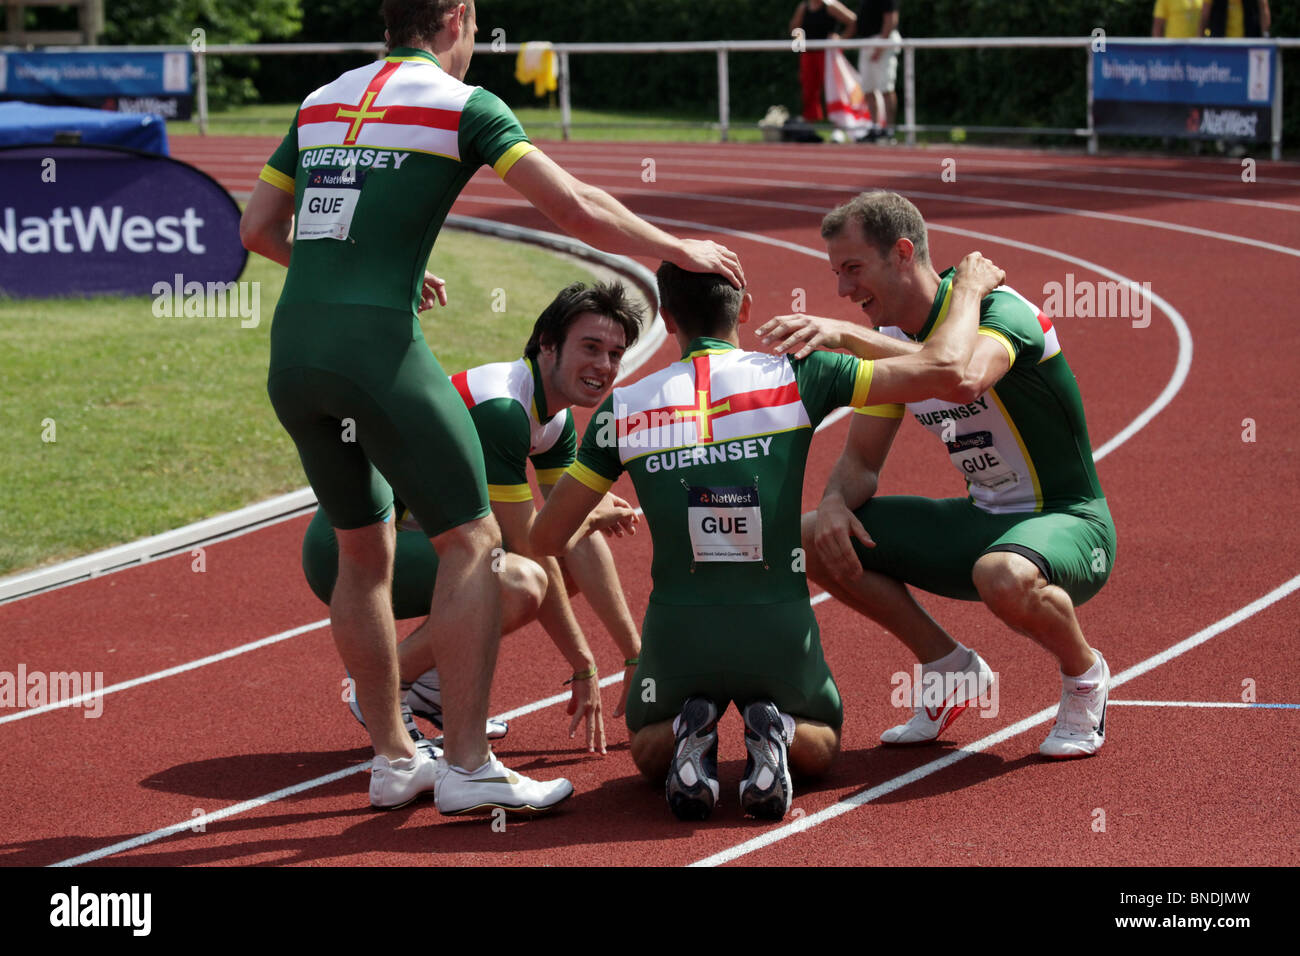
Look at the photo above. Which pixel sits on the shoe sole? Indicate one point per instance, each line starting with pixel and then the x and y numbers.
pixel 520 809
pixel 398 806
pixel 774 802
pixel 694 802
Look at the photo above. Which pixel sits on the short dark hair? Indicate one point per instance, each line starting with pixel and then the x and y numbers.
pixel 701 303
pixel 609 299
pixel 417 22
pixel 884 218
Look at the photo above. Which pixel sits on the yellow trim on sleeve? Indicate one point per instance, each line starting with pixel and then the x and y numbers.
pixel 882 411
pixel 510 493
pixel 510 157
pixel 279 180
pixel 999 337
pixel 862 384
pixel 596 482
pixel 549 476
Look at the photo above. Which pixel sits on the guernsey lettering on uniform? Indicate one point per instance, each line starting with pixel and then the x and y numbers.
pixel 709 454
pixel 969 410
pixel 337 156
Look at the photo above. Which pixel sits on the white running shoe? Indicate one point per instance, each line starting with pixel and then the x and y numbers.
pixel 1080 727
pixel 495 785
pixel 424 699
pixel 395 783
pixel 431 747
pixel 928 722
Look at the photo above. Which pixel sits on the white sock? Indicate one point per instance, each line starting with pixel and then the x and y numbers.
pixel 956 660
pixel 1093 673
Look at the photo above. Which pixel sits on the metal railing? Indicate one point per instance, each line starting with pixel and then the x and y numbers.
pixel 722 49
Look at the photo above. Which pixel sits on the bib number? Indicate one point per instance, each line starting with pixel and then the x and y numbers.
pixel 328 203
pixel 980 462
pixel 726 523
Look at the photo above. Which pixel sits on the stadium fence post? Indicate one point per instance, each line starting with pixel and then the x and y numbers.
pixel 566 118
pixel 909 91
pixel 724 94
pixel 1092 130
pixel 1276 152
pixel 202 63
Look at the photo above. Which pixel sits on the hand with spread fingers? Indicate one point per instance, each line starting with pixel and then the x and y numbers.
pixel 584 704
pixel 800 335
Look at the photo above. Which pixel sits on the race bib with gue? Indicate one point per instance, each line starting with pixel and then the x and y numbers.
pixel 725 522
pixel 979 460
pixel 329 202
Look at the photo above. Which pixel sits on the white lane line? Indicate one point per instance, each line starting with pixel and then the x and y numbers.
pixel 857 160
pixel 972 200
pixel 169 672
pixel 1200 703
pixel 193 824
pixel 1047 713
pixel 665 170
pixel 1176 381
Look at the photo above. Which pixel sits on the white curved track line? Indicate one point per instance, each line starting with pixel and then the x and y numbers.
pixel 1166 396
pixel 873 161
pixel 978 201
pixel 1182 364
pixel 666 169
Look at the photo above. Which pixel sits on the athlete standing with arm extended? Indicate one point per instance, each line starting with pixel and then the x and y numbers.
pixel 352 202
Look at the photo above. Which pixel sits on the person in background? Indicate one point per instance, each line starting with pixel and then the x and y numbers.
pixel 818 19
pixel 879 67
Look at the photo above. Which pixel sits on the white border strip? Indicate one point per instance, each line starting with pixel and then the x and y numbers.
pixel 1047 713
pixel 282 508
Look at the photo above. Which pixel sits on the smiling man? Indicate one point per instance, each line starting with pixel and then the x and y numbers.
pixel 715 445
pixel 520 411
pixel 1033 539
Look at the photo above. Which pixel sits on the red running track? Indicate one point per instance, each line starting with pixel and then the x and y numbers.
pixel 1206 526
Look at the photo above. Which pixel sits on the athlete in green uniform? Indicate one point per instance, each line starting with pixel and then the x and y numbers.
pixel 521 413
pixel 352 202
pixel 716 446
pixel 1032 540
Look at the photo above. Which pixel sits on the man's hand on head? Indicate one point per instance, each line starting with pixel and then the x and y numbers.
pixel 705 255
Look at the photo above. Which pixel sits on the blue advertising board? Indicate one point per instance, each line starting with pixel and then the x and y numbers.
pixel 89 220
pixel 1197 90
pixel 123 82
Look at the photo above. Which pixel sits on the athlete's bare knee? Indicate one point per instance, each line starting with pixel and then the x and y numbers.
pixel 815 747
pixel 469 541
pixel 652 750
pixel 1006 582
pixel 523 588
pixel 366 552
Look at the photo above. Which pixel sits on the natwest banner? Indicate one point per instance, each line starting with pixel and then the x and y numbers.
pixel 86 220
pixel 122 82
pixel 1197 90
